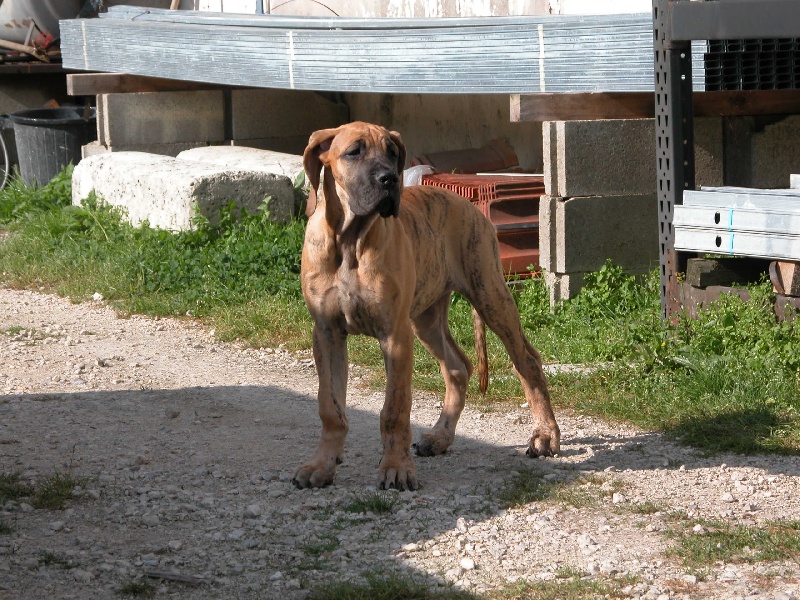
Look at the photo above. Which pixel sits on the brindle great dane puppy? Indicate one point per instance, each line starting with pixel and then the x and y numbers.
pixel 383 261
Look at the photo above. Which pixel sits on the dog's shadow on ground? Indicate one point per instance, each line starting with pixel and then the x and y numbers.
pixel 218 440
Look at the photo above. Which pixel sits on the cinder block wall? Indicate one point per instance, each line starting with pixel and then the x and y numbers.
pixel 170 122
pixel 600 202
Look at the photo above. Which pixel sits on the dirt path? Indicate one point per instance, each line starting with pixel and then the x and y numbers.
pixel 188 446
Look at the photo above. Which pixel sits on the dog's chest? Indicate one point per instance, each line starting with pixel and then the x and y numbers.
pixel 360 307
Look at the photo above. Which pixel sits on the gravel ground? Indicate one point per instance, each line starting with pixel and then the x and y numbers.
pixel 188 445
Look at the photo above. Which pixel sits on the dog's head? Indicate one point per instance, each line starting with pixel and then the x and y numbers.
pixel 365 162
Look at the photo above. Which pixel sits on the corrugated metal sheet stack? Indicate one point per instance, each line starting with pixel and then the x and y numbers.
pixel 554 53
pixel 511 203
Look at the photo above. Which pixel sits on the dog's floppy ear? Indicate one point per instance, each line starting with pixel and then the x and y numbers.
pixel 401 148
pixel 318 144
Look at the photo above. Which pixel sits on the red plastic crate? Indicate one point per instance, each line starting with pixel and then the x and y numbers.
pixel 511 203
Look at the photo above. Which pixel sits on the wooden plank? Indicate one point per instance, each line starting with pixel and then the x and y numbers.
pixel 706 272
pixel 91 84
pixel 641 105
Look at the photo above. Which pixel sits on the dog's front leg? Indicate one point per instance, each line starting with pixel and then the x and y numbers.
pixel 397 469
pixel 330 356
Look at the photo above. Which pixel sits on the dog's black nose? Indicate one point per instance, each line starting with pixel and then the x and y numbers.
pixel 387 179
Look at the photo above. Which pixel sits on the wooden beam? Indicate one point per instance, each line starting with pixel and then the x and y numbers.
pixel 641 105
pixel 91 84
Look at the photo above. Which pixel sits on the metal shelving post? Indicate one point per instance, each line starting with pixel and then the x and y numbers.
pixel 675 24
pixel 674 143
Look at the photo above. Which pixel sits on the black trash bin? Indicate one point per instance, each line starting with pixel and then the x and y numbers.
pixel 48 139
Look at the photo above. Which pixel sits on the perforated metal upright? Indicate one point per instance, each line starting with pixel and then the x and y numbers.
pixel 674 143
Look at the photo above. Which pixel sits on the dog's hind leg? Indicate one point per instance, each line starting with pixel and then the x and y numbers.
pixel 330 356
pixel 497 308
pixel 433 332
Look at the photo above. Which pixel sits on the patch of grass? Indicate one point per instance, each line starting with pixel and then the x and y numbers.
pixel 645 508
pixel 54 491
pixel 387 587
pixel 140 589
pixel 377 502
pixel 5 528
pixel 771 541
pixel 568 585
pixel 326 542
pixel 13 488
pixel 527 486
pixel 51 559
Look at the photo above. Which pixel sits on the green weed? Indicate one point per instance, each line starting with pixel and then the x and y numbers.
pixel 54 491
pixel 377 502
pixel 569 584
pixel 387 587
pixel 326 542
pixel 527 486
pixel 5 528
pixel 771 541
pixel 141 589
pixel 13 488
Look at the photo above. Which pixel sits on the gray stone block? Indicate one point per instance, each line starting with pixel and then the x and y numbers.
pixel 590 230
pixel 776 153
pixel 125 120
pixel 263 113
pixel 618 157
pixel 563 286
pixel 547 232
pixel 168 193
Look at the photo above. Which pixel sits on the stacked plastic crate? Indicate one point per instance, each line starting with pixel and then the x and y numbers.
pixel 511 203
pixel 761 64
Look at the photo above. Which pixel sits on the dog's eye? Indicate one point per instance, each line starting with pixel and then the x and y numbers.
pixel 391 150
pixel 354 150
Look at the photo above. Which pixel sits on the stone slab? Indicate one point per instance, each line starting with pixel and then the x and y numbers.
pixel 160 118
pixel 168 193
pixel 173 150
pixel 247 159
pixel 251 159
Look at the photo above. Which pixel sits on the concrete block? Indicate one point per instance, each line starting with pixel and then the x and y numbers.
pixel 173 150
pixel 591 230
pixel 267 113
pixel 776 153
pixel 160 118
pixel 547 232
pixel 563 286
pixel 618 157
pixel 168 192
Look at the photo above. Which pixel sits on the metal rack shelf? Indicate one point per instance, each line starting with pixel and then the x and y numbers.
pixel 676 23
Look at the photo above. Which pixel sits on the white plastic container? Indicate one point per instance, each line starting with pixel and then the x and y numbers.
pixel 16 17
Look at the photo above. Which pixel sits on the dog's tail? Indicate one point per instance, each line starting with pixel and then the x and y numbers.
pixel 480 351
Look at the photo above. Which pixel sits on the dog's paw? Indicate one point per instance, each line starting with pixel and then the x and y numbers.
pixel 314 475
pixel 397 475
pixel 430 444
pixel 543 444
